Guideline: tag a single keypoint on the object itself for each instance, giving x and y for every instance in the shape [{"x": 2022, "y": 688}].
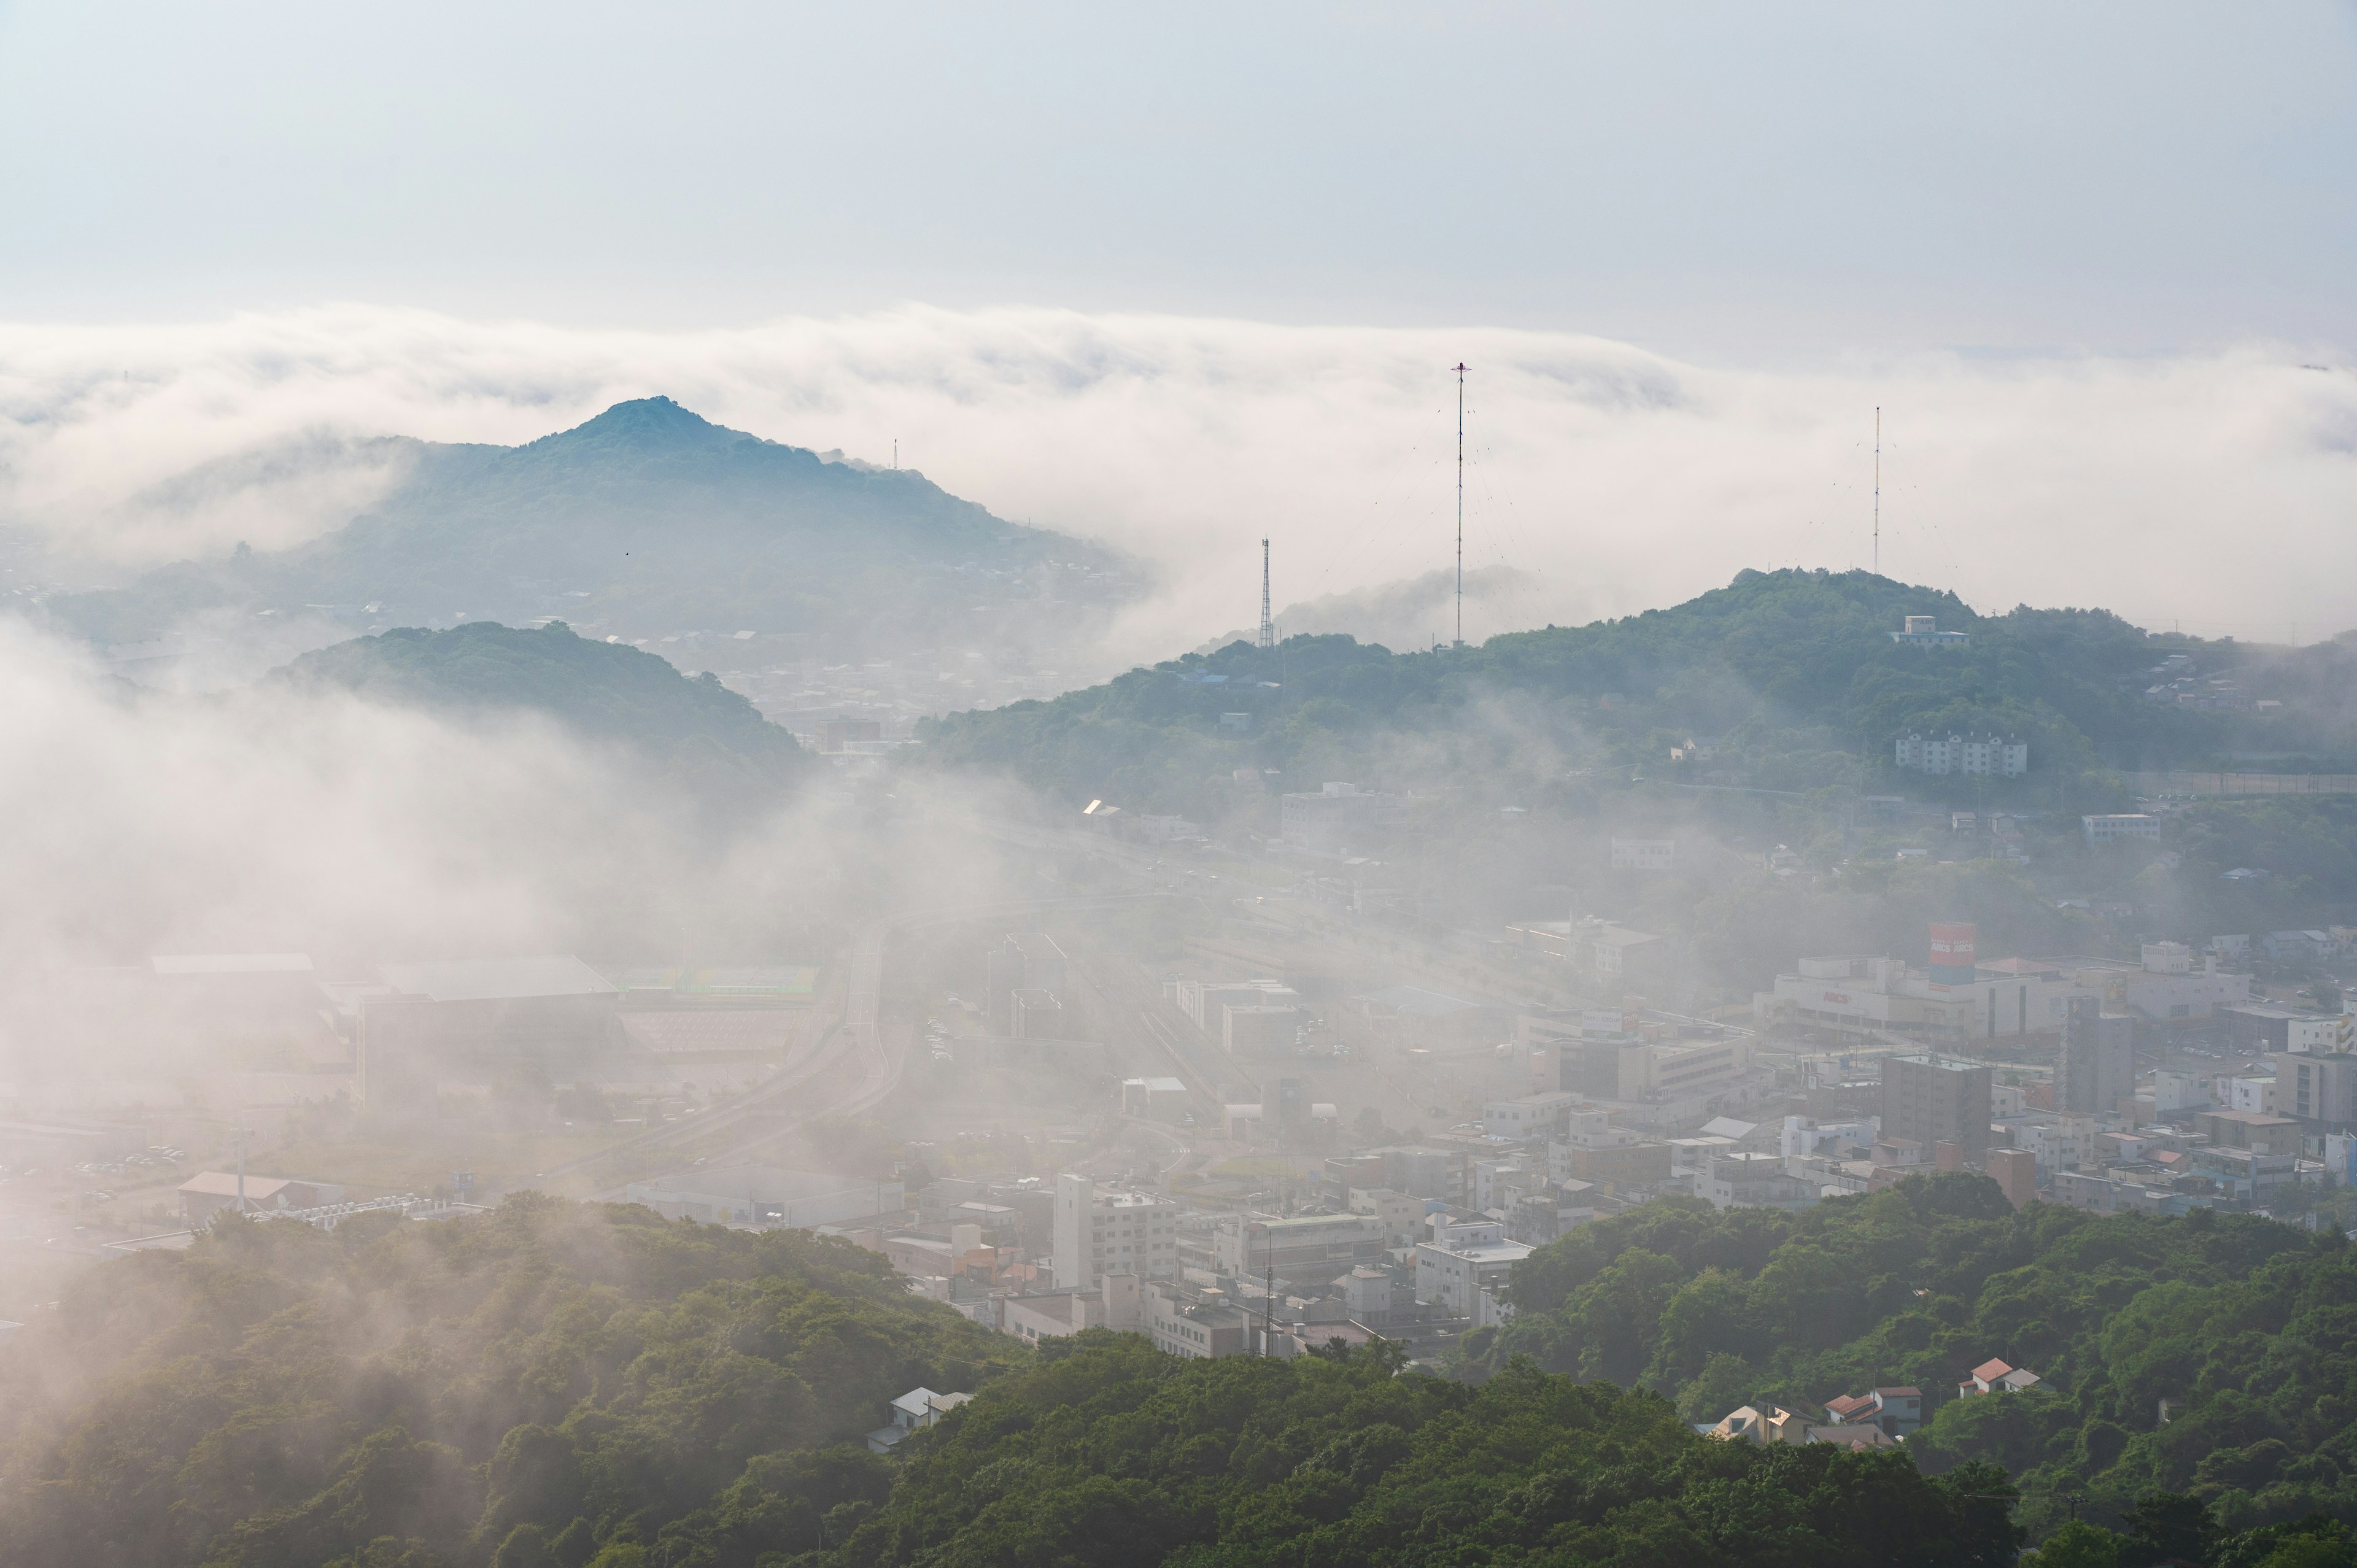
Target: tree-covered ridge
[
  {"x": 2248, "y": 1326},
  {"x": 1114, "y": 1453},
  {"x": 693, "y": 728},
  {"x": 1795, "y": 670},
  {"x": 550, "y": 1373}
]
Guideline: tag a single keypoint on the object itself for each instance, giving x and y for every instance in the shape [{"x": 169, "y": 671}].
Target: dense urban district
[{"x": 1812, "y": 1075}]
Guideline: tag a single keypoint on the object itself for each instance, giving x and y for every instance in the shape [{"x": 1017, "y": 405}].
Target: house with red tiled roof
[{"x": 1994, "y": 1376}]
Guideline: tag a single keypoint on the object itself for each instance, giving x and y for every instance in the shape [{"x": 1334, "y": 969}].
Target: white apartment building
[
  {"x": 2110, "y": 827},
  {"x": 1100, "y": 1232},
  {"x": 1988, "y": 756},
  {"x": 1529, "y": 1115},
  {"x": 1454, "y": 1276}
]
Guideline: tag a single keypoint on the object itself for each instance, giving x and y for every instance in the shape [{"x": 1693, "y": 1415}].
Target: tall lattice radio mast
[
  {"x": 1267, "y": 627},
  {"x": 1458, "y": 640}
]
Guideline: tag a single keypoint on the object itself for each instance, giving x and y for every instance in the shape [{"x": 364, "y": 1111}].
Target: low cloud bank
[{"x": 2211, "y": 491}]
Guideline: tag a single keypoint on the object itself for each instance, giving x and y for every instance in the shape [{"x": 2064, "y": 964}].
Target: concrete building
[
  {"x": 2249, "y": 1130},
  {"x": 1644, "y": 854},
  {"x": 1933, "y": 1100},
  {"x": 1923, "y": 631},
  {"x": 2015, "y": 1174},
  {"x": 1859, "y": 995},
  {"x": 2117, "y": 827},
  {"x": 1198, "y": 1324},
  {"x": 1401, "y": 1216},
  {"x": 1339, "y": 818},
  {"x": 1154, "y": 1099},
  {"x": 1755, "y": 1181},
  {"x": 2164, "y": 986},
  {"x": 1983, "y": 755},
  {"x": 1529, "y": 1115},
  {"x": 1454, "y": 1276},
  {"x": 1310, "y": 1248},
  {"x": 1629, "y": 1069},
  {"x": 2096, "y": 1069},
  {"x": 1116, "y": 1302},
  {"x": 1252, "y": 1033},
  {"x": 2320, "y": 1088},
  {"x": 1624, "y": 955},
  {"x": 1101, "y": 1232},
  {"x": 2259, "y": 1028}
]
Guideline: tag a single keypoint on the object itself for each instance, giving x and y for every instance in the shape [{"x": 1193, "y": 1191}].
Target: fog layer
[{"x": 1614, "y": 479}]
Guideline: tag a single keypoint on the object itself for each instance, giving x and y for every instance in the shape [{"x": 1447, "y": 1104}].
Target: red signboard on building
[{"x": 1953, "y": 945}]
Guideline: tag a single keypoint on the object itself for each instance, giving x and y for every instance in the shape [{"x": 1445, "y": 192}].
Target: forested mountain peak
[{"x": 646, "y": 422}]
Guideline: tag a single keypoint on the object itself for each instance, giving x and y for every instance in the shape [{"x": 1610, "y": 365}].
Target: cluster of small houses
[{"x": 1880, "y": 1418}]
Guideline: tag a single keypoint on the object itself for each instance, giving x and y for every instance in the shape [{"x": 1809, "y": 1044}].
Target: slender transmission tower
[
  {"x": 1878, "y": 489},
  {"x": 1459, "y": 639},
  {"x": 1267, "y": 627}
]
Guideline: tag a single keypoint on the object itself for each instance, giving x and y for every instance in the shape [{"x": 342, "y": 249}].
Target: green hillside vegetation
[
  {"x": 695, "y": 731},
  {"x": 1793, "y": 671},
  {"x": 647, "y": 516},
  {"x": 535, "y": 1385},
  {"x": 556, "y": 1385},
  {"x": 1112, "y": 1453},
  {"x": 2248, "y": 1327}
]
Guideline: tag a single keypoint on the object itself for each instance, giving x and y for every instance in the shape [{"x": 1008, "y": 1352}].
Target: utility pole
[
  {"x": 896, "y": 454},
  {"x": 1268, "y": 1295},
  {"x": 1878, "y": 489},
  {"x": 1460, "y": 641},
  {"x": 240, "y": 1165}
]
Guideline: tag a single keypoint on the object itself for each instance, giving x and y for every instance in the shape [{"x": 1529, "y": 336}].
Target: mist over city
[{"x": 1553, "y": 786}]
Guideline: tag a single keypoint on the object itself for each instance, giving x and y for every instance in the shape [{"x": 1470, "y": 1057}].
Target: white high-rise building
[{"x": 1101, "y": 1232}]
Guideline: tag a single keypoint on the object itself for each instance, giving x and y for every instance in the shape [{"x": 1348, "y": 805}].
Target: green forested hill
[
  {"x": 2248, "y": 1327},
  {"x": 1115, "y": 1453},
  {"x": 281, "y": 1397},
  {"x": 695, "y": 729},
  {"x": 572, "y": 1386},
  {"x": 1794, "y": 672}
]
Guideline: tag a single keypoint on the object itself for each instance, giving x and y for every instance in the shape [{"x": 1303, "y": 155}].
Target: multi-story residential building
[
  {"x": 1101, "y": 1231},
  {"x": 1985, "y": 755},
  {"x": 1935, "y": 1099}
]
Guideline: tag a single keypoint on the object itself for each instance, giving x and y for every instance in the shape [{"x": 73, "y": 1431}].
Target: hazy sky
[{"x": 1727, "y": 182}]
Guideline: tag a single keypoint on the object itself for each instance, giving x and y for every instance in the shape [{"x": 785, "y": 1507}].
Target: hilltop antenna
[
  {"x": 896, "y": 454},
  {"x": 1267, "y": 627},
  {"x": 1878, "y": 489},
  {"x": 1460, "y": 641}
]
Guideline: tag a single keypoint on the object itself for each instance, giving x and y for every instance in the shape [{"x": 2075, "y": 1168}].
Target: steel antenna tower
[
  {"x": 1267, "y": 627},
  {"x": 1459, "y": 639},
  {"x": 1877, "y": 490}
]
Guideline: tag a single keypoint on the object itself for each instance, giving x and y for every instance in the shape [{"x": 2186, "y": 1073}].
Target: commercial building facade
[{"x": 1101, "y": 1232}]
